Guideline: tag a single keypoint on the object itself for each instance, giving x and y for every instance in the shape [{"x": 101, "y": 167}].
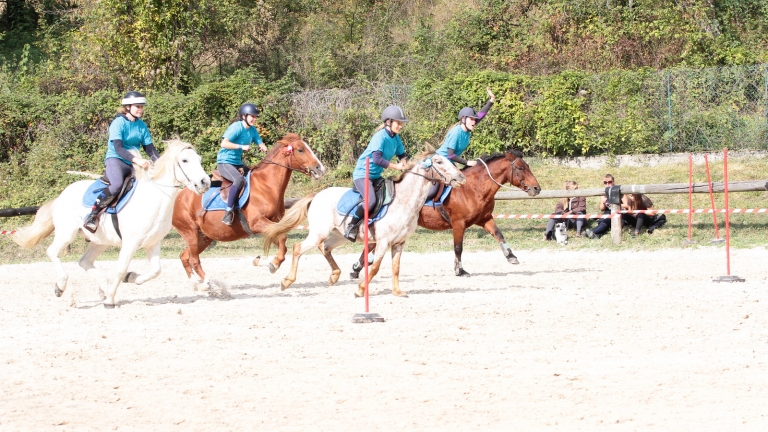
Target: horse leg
[
  {"x": 299, "y": 249},
  {"x": 61, "y": 240},
  {"x": 153, "y": 256},
  {"x": 379, "y": 255},
  {"x": 358, "y": 266},
  {"x": 121, "y": 268},
  {"x": 326, "y": 248},
  {"x": 280, "y": 256},
  {"x": 397, "y": 251},
  {"x": 196, "y": 242},
  {"x": 494, "y": 230},
  {"x": 458, "y": 247},
  {"x": 86, "y": 262}
]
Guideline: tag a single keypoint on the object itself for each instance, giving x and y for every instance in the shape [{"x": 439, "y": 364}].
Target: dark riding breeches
[
  {"x": 231, "y": 173},
  {"x": 117, "y": 172}
]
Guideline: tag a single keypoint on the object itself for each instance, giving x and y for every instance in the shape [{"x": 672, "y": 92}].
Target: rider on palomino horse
[
  {"x": 238, "y": 137},
  {"x": 127, "y": 132},
  {"x": 384, "y": 144},
  {"x": 457, "y": 139}
]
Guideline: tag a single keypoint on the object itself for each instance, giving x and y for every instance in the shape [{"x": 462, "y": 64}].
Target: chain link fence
[{"x": 676, "y": 110}]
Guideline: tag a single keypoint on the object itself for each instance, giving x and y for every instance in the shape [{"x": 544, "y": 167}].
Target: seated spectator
[
  {"x": 642, "y": 202},
  {"x": 604, "y": 224},
  {"x": 568, "y": 206}
]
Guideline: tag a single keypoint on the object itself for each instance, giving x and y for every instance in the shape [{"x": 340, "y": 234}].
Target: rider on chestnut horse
[{"x": 238, "y": 137}]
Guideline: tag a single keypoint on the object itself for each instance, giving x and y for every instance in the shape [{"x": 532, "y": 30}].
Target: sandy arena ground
[{"x": 564, "y": 341}]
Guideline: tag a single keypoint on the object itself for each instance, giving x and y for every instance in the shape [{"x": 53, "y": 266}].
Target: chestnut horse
[
  {"x": 268, "y": 181},
  {"x": 473, "y": 203}
]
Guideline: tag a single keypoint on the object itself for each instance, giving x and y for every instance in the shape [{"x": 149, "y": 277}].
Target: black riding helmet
[
  {"x": 248, "y": 109},
  {"x": 134, "y": 98},
  {"x": 393, "y": 112},
  {"x": 467, "y": 112}
]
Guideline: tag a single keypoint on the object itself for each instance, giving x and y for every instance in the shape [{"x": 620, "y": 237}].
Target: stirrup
[
  {"x": 92, "y": 223},
  {"x": 227, "y": 219},
  {"x": 351, "y": 232}
]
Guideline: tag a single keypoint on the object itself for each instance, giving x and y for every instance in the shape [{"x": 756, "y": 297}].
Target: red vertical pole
[
  {"x": 690, "y": 195},
  {"x": 727, "y": 215},
  {"x": 712, "y": 199},
  {"x": 365, "y": 227}
]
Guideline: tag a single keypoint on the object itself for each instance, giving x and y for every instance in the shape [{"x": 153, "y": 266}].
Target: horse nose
[{"x": 536, "y": 190}]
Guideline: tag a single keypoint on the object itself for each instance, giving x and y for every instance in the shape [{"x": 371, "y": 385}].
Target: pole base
[
  {"x": 718, "y": 241},
  {"x": 727, "y": 279},
  {"x": 367, "y": 318}
]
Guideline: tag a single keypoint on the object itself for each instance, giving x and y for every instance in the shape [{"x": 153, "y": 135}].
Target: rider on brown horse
[
  {"x": 238, "y": 137},
  {"x": 457, "y": 139}
]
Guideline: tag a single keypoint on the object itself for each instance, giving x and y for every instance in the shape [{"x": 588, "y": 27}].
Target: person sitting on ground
[
  {"x": 568, "y": 206},
  {"x": 642, "y": 202},
  {"x": 604, "y": 224}
]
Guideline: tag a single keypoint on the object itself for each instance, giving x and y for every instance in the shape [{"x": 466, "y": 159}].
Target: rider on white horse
[
  {"x": 383, "y": 145},
  {"x": 127, "y": 132},
  {"x": 239, "y": 136}
]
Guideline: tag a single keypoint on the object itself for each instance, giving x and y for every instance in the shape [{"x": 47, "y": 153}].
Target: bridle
[
  {"x": 515, "y": 170},
  {"x": 181, "y": 185},
  {"x": 304, "y": 171}
]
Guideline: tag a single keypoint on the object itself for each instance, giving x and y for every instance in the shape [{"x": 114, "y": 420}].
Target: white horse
[
  {"x": 143, "y": 222},
  {"x": 326, "y": 225}
]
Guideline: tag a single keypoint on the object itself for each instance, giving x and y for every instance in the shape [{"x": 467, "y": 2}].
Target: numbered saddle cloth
[
  {"x": 90, "y": 195},
  {"x": 212, "y": 198}
]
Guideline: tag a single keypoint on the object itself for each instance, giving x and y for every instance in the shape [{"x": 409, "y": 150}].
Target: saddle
[
  {"x": 128, "y": 183},
  {"x": 383, "y": 193},
  {"x": 217, "y": 180}
]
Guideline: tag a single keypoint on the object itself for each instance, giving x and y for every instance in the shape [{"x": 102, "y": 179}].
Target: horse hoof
[
  {"x": 284, "y": 285},
  {"x": 401, "y": 294},
  {"x": 256, "y": 261},
  {"x": 462, "y": 273},
  {"x": 353, "y": 275},
  {"x": 272, "y": 268},
  {"x": 127, "y": 277},
  {"x": 58, "y": 292},
  {"x": 108, "y": 306},
  {"x": 513, "y": 260}
]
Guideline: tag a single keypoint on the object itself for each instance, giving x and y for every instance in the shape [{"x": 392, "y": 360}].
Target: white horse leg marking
[{"x": 313, "y": 240}]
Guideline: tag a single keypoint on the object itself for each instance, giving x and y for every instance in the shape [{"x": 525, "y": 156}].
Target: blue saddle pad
[
  {"x": 212, "y": 198},
  {"x": 89, "y": 197},
  {"x": 349, "y": 201},
  {"x": 443, "y": 197}
]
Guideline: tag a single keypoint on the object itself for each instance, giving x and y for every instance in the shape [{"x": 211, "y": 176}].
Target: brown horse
[
  {"x": 269, "y": 179},
  {"x": 472, "y": 204}
]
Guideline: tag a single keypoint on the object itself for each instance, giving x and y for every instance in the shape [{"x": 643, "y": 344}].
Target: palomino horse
[
  {"x": 269, "y": 179},
  {"x": 143, "y": 222},
  {"x": 326, "y": 225},
  {"x": 473, "y": 203}
]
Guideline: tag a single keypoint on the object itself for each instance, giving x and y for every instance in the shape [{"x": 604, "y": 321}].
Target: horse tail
[
  {"x": 29, "y": 236},
  {"x": 296, "y": 214}
]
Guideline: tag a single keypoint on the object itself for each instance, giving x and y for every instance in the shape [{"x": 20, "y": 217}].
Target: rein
[
  {"x": 175, "y": 186},
  {"x": 515, "y": 170},
  {"x": 304, "y": 171}
]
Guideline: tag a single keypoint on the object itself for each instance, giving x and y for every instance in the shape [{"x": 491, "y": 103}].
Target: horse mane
[
  {"x": 282, "y": 142},
  {"x": 429, "y": 151},
  {"x": 173, "y": 147},
  {"x": 492, "y": 157}
]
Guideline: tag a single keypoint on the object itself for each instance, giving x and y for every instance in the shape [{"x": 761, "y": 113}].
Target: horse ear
[{"x": 428, "y": 148}]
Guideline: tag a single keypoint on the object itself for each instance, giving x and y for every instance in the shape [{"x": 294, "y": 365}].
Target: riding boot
[
  {"x": 228, "y": 216},
  {"x": 102, "y": 201},
  {"x": 354, "y": 224}
]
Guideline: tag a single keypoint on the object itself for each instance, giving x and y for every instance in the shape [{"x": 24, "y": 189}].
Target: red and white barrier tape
[
  {"x": 591, "y": 216},
  {"x": 602, "y": 216}
]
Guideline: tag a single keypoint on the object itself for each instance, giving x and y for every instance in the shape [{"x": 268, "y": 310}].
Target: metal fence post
[{"x": 669, "y": 109}]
